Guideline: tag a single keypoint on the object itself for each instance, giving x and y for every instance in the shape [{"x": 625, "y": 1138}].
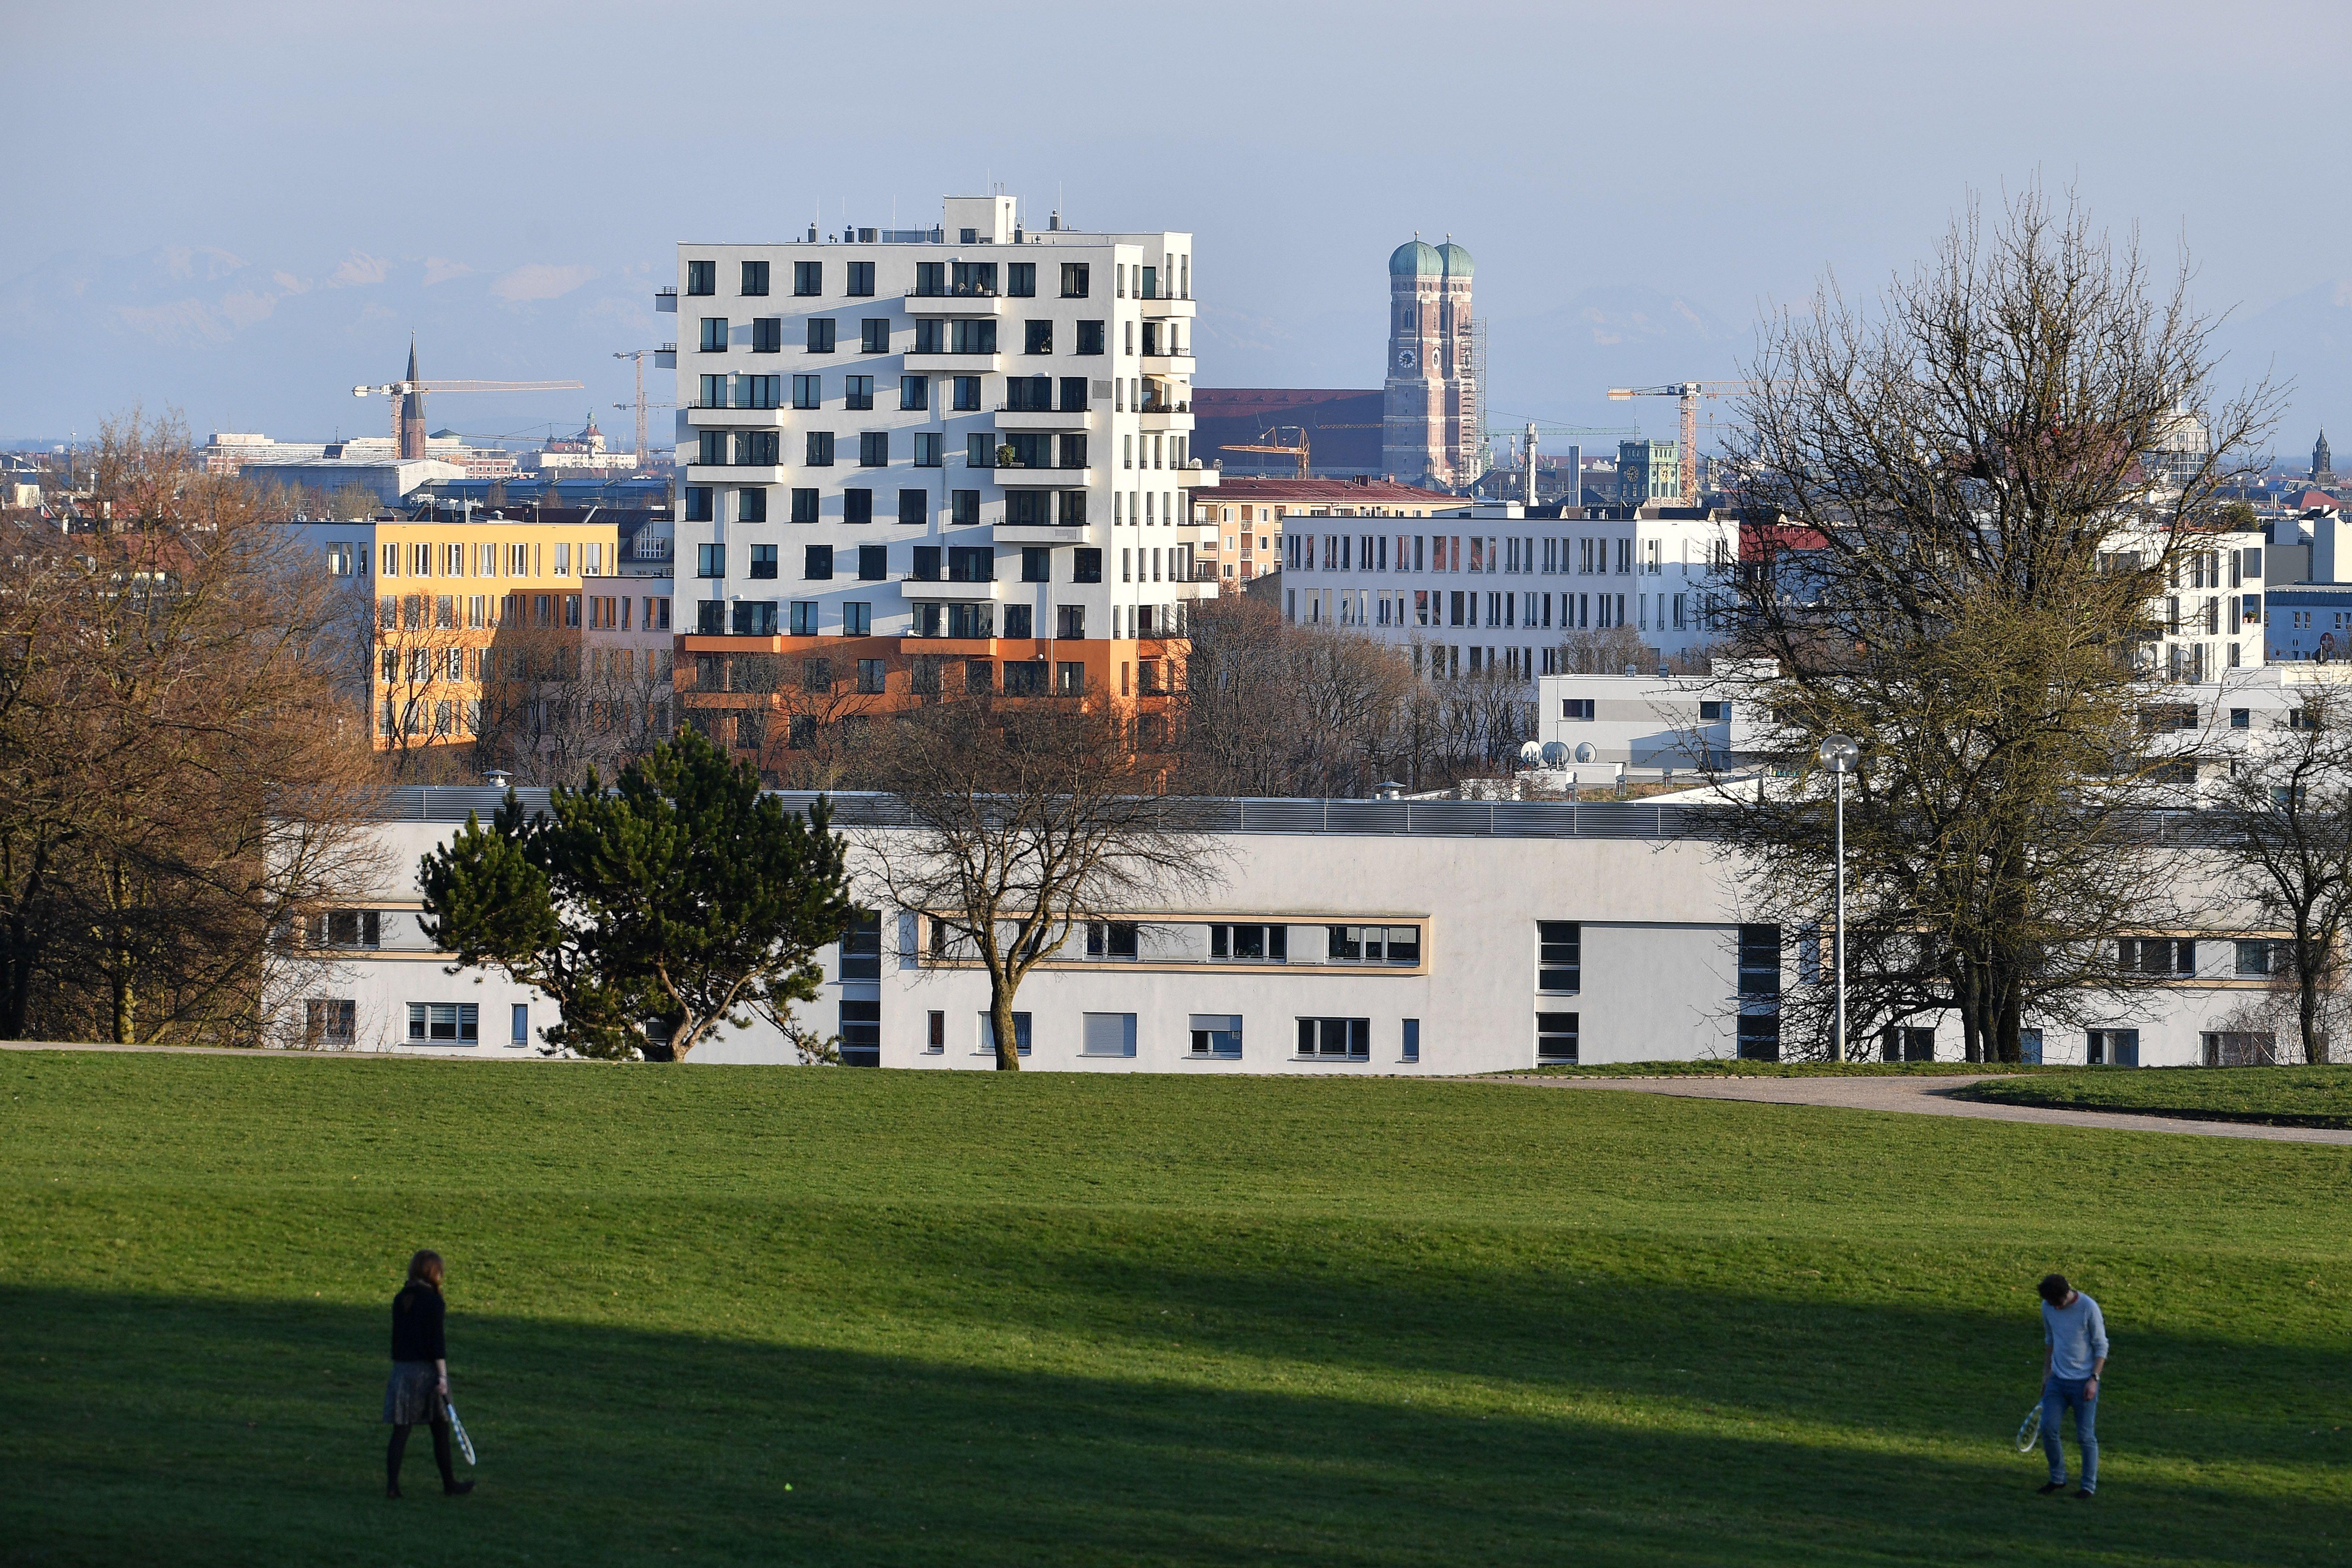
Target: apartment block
[
  {"x": 954, "y": 458},
  {"x": 1242, "y": 520}
]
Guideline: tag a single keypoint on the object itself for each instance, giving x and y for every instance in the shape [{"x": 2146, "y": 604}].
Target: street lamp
[{"x": 1839, "y": 754}]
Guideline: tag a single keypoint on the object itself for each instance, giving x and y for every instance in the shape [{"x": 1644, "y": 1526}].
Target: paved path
[{"x": 1928, "y": 1097}]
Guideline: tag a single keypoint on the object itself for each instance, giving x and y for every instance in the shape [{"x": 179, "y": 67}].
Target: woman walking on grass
[{"x": 419, "y": 1389}]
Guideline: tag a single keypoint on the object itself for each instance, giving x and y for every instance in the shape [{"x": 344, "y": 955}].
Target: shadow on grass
[{"x": 201, "y": 1431}]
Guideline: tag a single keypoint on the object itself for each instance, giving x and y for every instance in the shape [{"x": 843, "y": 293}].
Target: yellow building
[{"x": 1248, "y": 514}]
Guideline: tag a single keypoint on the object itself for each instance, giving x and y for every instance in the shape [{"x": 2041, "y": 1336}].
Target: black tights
[{"x": 399, "y": 1446}]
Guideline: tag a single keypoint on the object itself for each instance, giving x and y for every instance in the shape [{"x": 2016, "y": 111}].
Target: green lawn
[
  {"x": 2284, "y": 1096},
  {"x": 1721, "y": 1067},
  {"x": 972, "y": 1319}
]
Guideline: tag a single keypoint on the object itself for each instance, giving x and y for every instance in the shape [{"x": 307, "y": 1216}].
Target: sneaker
[
  {"x": 2086, "y": 1491},
  {"x": 2048, "y": 1487}
]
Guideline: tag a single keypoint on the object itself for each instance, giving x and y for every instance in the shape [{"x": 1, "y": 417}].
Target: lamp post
[{"x": 1839, "y": 754}]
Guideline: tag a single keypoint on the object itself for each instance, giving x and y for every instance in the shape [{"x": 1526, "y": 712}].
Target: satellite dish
[
  {"x": 1531, "y": 754},
  {"x": 1555, "y": 753},
  {"x": 1585, "y": 754}
]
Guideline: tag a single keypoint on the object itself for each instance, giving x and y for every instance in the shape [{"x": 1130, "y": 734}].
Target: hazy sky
[{"x": 241, "y": 209}]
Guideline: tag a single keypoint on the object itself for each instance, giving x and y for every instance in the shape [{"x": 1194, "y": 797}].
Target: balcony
[
  {"x": 1168, "y": 416},
  {"x": 1043, "y": 533},
  {"x": 954, "y": 364},
  {"x": 943, "y": 592},
  {"x": 1164, "y": 309},
  {"x": 1167, "y": 364},
  {"x": 665, "y": 302},
  {"x": 666, "y": 357},
  {"x": 728, "y": 474},
  {"x": 954, "y": 304},
  {"x": 1042, "y": 419},
  {"x": 1041, "y": 477},
  {"x": 719, "y": 416},
  {"x": 1193, "y": 475}
]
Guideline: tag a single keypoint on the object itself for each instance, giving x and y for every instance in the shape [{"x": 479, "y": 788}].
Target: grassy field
[
  {"x": 1717, "y": 1066},
  {"x": 741, "y": 1315},
  {"x": 2282, "y": 1096}
]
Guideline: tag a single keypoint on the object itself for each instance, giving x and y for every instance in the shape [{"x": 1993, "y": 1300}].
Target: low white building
[{"x": 1409, "y": 937}]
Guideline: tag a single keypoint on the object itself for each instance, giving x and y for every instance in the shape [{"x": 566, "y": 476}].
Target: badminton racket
[
  {"x": 465, "y": 1444},
  {"x": 2028, "y": 1432}
]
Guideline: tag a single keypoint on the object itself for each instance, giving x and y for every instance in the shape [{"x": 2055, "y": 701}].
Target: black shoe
[
  {"x": 2086, "y": 1491},
  {"x": 2048, "y": 1487},
  {"x": 459, "y": 1488},
  {"x": 391, "y": 1492}
]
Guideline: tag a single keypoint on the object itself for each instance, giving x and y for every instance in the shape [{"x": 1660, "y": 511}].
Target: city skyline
[{"x": 513, "y": 202}]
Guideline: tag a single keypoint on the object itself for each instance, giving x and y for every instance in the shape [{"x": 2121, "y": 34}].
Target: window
[
  {"x": 857, "y": 506},
  {"x": 857, "y": 617},
  {"x": 2254, "y": 957},
  {"x": 820, "y": 449},
  {"x": 767, "y": 338},
  {"x": 820, "y": 334},
  {"x": 861, "y": 1032},
  {"x": 915, "y": 506},
  {"x": 1090, "y": 339},
  {"x": 816, "y": 675},
  {"x": 710, "y": 561},
  {"x": 1036, "y": 564},
  {"x": 1216, "y": 1035},
  {"x": 1714, "y": 713},
  {"x": 979, "y": 450},
  {"x": 1412, "y": 1051},
  {"x": 1336, "y": 1040},
  {"x": 330, "y": 1022},
  {"x": 710, "y": 618},
  {"x": 2157, "y": 955},
  {"x": 2241, "y": 719},
  {"x": 857, "y": 392},
  {"x": 1022, "y": 679},
  {"x": 757, "y": 391},
  {"x": 915, "y": 392},
  {"x": 874, "y": 336},
  {"x": 1758, "y": 1037},
  {"x": 763, "y": 560},
  {"x": 1018, "y": 622},
  {"x": 1907, "y": 1043},
  {"x": 926, "y": 566},
  {"x": 751, "y": 506},
  {"x": 2227, "y": 1050},
  {"x": 808, "y": 277},
  {"x": 873, "y": 446},
  {"x": 1028, "y": 509},
  {"x": 928, "y": 455},
  {"x": 758, "y": 448},
  {"x": 1074, "y": 395},
  {"x": 431, "y": 1023},
  {"x": 803, "y": 505},
  {"x": 859, "y": 283},
  {"x": 698, "y": 503},
  {"x": 935, "y": 1036},
  {"x": 1559, "y": 955},
  {"x": 967, "y": 393},
  {"x": 1021, "y": 280},
  {"x": 1576, "y": 708},
  {"x": 971, "y": 564},
  {"x": 702, "y": 278},
  {"x": 1110, "y": 939},
  {"x": 1106, "y": 1034},
  {"x": 1374, "y": 945},
  {"x": 972, "y": 337},
  {"x": 753, "y": 617},
  {"x": 346, "y": 928},
  {"x": 1759, "y": 961},
  {"x": 818, "y": 563},
  {"x": 714, "y": 334},
  {"x": 1249, "y": 944},
  {"x": 808, "y": 392},
  {"x": 1037, "y": 337},
  {"x": 1556, "y": 1036},
  {"x": 931, "y": 337},
  {"x": 1020, "y": 1034},
  {"x": 755, "y": 277},
  {"x": 1086, "y": 566},
  {"x": 804, "y": 618},
  {"x": 1070, "y": 676},
  {"x": 2112, "y": 1047},
  {"x": 1075, "y": 279}
]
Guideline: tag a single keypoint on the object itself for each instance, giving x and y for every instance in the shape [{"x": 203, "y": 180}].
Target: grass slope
[
  {"x": 1740, "y": 1067},
  {"x": 2280, "y": 1097},
  {"x": 1126, "y": 1319}
]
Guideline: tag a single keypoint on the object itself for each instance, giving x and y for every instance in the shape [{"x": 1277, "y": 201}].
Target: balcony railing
[
  {"x": 1024, "y": 408},
  {"x": 1179, "y": 406},
  {"x": 1204, "y": 572}
]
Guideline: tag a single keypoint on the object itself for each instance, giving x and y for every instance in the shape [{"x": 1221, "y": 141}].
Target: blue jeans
[{"x": 2060, "y": 1394}]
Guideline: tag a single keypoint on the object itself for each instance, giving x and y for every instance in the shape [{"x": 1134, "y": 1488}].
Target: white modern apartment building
[
  {"x": 969, "y": 442},
  {"x": 1500, "y": 586},
  {"x": 1640, "y": 722},
  {"x": 1411, "y": 937}
]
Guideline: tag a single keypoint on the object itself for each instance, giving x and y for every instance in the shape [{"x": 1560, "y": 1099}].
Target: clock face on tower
[{"x": 1404, "y": 359}]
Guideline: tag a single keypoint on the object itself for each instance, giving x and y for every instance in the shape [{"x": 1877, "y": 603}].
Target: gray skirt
[{"x": 412, "y": 1396}]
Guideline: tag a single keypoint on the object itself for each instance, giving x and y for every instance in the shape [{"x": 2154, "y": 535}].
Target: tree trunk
[
  {"x": 1000, "y": 1018},
  {"x": 2306, "y": 998}
]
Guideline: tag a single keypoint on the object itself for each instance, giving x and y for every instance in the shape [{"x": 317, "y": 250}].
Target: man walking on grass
[{"x": 2076, "y": 1336}]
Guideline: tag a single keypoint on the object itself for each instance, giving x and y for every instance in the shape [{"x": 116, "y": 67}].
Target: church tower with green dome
[{"x": 1429, "y": 432}]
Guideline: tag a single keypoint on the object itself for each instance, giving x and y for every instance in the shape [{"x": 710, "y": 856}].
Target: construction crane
[
  {"x": 1271, "y": 441},
  {"x": 638, "y": 357},
  {"x": 1687, "y": 393},
  {"x": 408, "y": 400}
]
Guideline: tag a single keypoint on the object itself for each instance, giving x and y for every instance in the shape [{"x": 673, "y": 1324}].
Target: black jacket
[{"x": 416, "y": 1323}]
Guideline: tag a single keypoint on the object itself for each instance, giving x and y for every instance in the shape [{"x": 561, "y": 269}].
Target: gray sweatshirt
[{"x": 2076, "y": 1335}]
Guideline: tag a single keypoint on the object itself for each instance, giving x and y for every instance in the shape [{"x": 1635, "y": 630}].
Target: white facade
[
  {"x": 1639, "y": 720},
  {"x": 858, "y": 397},
  {"x": 1509, "y": 933},
  {"x": 1489, "y": 587}
]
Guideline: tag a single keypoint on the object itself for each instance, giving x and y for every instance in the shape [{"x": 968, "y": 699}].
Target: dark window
[
  {"x": 969, "y": 563},
  {"x": 767, "y": 334},
  {"x": 758, "y": 448},
  {"x": 751, "y": 506},
  {"x": 1028, "y": 393},
  {"x": 1758, "y": 1039},
  {"x": 967, "y": 393},
  {"x": 820, "y": 449},
  {"x": 459, "y": 1022},
  {"x": 1714, "y": 713},
  {"x": 915, "y": 392},
  {"x": 973, "y": 280},
  {"x": 979, "y": 677},
  {"x": 2158, "y": 955},
  {"x": 873, "y": 563},
  {"x": 972, "y": 337},
  {"x": 1074, "y": 279},
  {"x": 1556, "y": 1036},
  {"x": 1023, "y": 678},
  {"x": 820, "y": 334},
  {"x": 2241, "y": 719},
  {"x": 871, "y": 674},
  {"x": 1074, "y": 395},
  {"x": 702, "y": 278},
  {"x": 1090, "y": 338},
  {"x": 1028, "y": 509},
  {"x": 1578, "y": 708},
  {"x": 1344, "y": 1039},
  {"x": 1559, "y": 955},
  {"x": 818, "y": 565},
  {"x": 1021, "y": 280},
  {"x": 1074, "y": 452},
  {"x": 1110, "y": 939},
  {"x": 1759, "y": 961},
  {"x": 698, "y": 503},
  {"x": 1037, "y": 337},
  {"x": 710, "y": 561},
  {"x": 816, "y": 675},
  {"x": 930, "y": 279},
  {"x": 754, "y": 618},
  {"x": 2114, "y": 1048},
  {"x": 861, "y": 1022},
  {"x": 926, "y": 566},
  {"x": 2254, "y": 957},
  {"x": 963, "y": 508},
  {"x": 1018, "y": 622},
  {"x": 931, "y": 336},
  {"x": 857, "y": 506},
  {"x": 979, "y": 450},
  {"x": 808, "y": 392},
  {"x": 804, "y": 506},
  {"x": 755, "y": 277},
  {"x": 1906, "y": 1044},
  {"x": 1030, "y": 449},
  {"x": 861, "y": 946},
  {"x": 808, "y": 277},
  {"x": 710, "y": 618},
  {"x": 859, "y": 284},
  {"x": 714, "y": 334},
  {"x": 1074, "y": 508},
  {"x": 764, "y": 560},
  {"x": 873, "y": 449},
  {"x": 914, "y": 508},
  {"x": 1086, "y": 566},
  {"x": 974, "y": 621},
  {"x": 805, "y": 617},
  {"x": 857, "y": 392},
  {"x": 1070, "y": 625},
  {"x": 874, "y": 337}
]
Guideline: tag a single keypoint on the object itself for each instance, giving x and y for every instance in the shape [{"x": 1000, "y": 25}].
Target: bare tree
[
  {"x": 1612, "y": 651},
  {"x": 1029, "y": 818},
  {"x": 1968, "y": 540},
  {"x": 2288, "y": 806}
]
